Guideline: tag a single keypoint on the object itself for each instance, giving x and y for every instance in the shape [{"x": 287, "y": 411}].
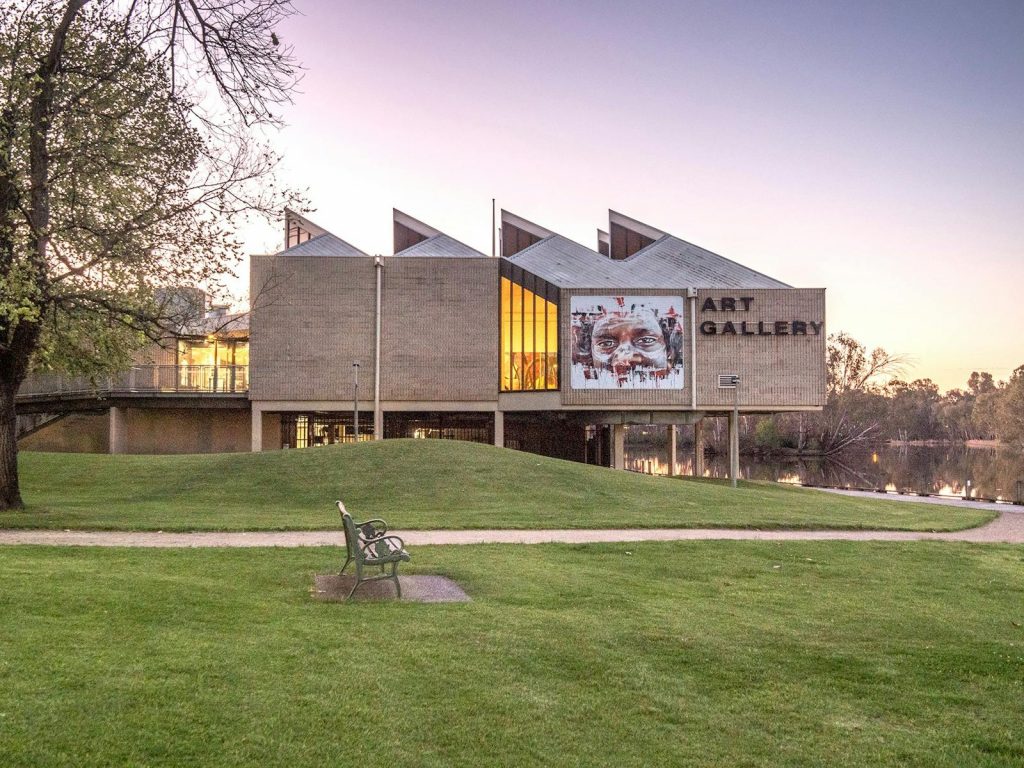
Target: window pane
[
  {"x": 517, "y": 336},
  {"x": 552, "y": 350},
  {"x": 506, "y": 334},
  {"x": 539, "y": 346},
  {"x": 528, "y": 358}
]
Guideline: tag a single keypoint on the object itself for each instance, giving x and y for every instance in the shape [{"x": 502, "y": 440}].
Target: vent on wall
[{"x": 728, "y": 381}]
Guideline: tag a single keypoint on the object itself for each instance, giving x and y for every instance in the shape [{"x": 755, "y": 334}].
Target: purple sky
[{"x": 874, "y": 149}]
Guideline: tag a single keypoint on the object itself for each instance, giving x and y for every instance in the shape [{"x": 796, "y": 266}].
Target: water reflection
[{"x": 987, "y": 473}]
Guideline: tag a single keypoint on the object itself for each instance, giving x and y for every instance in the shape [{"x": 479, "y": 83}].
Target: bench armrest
[
  {"x": 372, "y": 529},
  {"x": 393, "y": 543}
]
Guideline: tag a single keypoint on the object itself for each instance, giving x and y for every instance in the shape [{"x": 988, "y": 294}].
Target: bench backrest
[{"x": 351, "y": 534}]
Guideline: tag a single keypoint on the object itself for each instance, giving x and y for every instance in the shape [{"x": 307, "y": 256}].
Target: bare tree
[{"x": 851, "y": 368}]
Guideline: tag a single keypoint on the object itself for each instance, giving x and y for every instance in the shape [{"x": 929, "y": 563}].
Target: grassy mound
[{"x": 420, "y": 484}]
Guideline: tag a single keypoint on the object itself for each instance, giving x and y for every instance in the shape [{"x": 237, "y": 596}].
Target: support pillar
[
  {"x": 116, "y": 430},
  {"x": 257, "y": 429},
  {"x": 698, "y": 449},
  {"x": 618, "y": 446},
  {"x": 734, "y": 447},
  {"x": 499, "y": 429},
  {"x": 672, "y": 449}
]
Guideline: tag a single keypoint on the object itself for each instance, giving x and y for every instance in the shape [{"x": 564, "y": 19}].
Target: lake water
[{"x": 993, "y": 473}]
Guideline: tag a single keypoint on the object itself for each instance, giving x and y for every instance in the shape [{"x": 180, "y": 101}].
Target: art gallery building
[
  {"x": 452, "y": 342},
  {"x": 546, "y": 346}
]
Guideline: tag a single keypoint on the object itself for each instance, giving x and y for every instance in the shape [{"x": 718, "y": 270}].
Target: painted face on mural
[{"x": 621, "y": 343}]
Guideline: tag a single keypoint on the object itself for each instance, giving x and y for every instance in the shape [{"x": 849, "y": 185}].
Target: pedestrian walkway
[
  {"x": 948, "y": 501},
  {"x": 1007, "y": 528}
]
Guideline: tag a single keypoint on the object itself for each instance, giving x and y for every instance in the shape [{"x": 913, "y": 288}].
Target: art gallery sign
[{"x": 752, "y": 327}]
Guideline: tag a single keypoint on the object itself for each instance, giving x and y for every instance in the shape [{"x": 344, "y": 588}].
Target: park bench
[{"x": 369, "y": 545}]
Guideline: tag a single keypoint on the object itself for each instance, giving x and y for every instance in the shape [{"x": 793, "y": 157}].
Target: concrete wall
[
  {"x": 75, "y": 433},
  {"x": 314, "y": 316},
  {"x": 180, "y": 430},
  {"x": 271, "y": 431},
  {"x": 151, "y": 430}
]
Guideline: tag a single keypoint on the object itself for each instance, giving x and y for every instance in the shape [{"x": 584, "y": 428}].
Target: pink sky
[{"x": 870, "y": 149}]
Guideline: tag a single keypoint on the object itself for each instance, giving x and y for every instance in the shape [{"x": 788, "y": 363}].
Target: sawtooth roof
[
  {"x": 443, "y": 246},
  {"x": 667, "y": 261},
  {"x": 324, "y": 245}
]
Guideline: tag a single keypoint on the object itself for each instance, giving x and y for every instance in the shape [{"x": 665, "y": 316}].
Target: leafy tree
[
  {"x": 127, "y": 162},
  {"x": 1001, "y": 411},
  {"x": 981, "y": 383},
  {"x": 767, "y": 435},
  {"x": 954, "y": 414},
  {"x": 913, "y": 409}
]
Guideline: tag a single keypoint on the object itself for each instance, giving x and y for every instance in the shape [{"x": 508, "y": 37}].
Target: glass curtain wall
[
  {"x": 529, "y": 339},
  {"x": 213, "y": 365}
]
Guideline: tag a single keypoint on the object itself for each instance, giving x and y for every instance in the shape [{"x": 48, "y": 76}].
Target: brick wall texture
[
  {"x": 313, "y": 316},
  {"x": 774, "y": 371},
  {"x": 440, "y": 329}
]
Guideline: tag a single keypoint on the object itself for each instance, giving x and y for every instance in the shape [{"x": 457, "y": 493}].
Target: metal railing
[{"x": 143, "y": 379}]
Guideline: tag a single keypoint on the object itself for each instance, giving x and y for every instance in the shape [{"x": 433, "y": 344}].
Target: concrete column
[
  {"x": 499, "y": 429},
  {"x": 698, "y": 449},
  {"x": 734, "y": 447},
  {"x": 257, "y": 429},
  {"x": 672, "y": 449},
  {"x": 378, "y": 424},
  {"x": 618, "y": 446},
  {"x": 116, "y": 430}
]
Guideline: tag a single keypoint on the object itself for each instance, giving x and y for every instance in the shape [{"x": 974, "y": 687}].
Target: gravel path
[{"x": 1007, "y": 528}]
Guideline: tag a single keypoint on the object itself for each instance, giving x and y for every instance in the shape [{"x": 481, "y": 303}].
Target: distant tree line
[{"x": 868, "y": 402}]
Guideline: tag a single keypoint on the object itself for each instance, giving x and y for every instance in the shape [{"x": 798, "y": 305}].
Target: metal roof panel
[
  {"x": 442, "y": 246},
  {"x": 323, "y": 245},
  {"x": 668, "y": 261}
]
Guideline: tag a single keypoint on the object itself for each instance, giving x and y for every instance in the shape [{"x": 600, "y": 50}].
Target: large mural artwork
[{"x": 627, "y": 342}]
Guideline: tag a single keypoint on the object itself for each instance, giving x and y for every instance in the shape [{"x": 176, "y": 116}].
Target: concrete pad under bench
[{"x": 331, "y": 588}]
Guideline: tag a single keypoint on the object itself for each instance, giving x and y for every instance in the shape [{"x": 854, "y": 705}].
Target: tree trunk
[{"x": 10, "y": 492}]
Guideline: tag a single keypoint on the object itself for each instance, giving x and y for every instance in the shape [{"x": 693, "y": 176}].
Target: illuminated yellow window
[
  {"x": 529, "y": 339},
  {"x": 552, "y": 347},
  {"x": 506, "y": 334}
]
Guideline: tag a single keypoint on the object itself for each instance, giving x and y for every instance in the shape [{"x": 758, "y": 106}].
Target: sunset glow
[{"x": 872, "y": 149}]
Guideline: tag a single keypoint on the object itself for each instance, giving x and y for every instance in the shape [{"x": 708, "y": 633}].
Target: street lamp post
[
  {"x": 734, "y": 433},
  {"x": 355, "y": 404}
]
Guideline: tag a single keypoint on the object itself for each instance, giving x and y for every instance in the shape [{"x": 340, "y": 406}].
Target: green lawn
[
  {"x": 653, "y": 654},
  {"x": 421, "y": 484}
]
